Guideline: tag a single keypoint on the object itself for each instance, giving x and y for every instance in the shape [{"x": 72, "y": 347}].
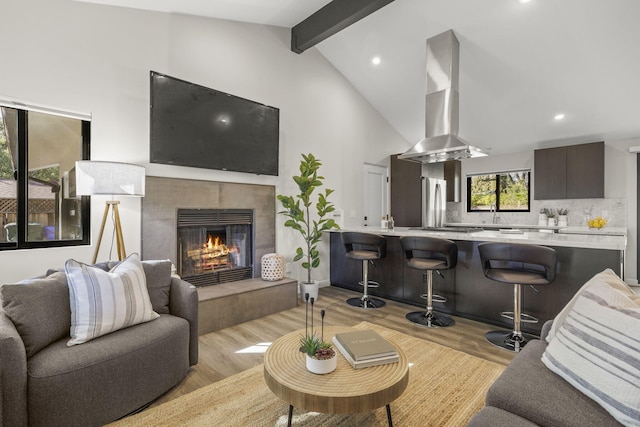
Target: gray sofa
[
  {"x": 45, "y": 382},
  {"x": 529, "y": 394}
]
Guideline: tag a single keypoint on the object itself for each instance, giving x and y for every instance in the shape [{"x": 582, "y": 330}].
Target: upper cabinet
[{"x": 571, "y": 172}]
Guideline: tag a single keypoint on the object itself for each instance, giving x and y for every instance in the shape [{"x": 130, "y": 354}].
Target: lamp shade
[{"x": 109, "y": 178}]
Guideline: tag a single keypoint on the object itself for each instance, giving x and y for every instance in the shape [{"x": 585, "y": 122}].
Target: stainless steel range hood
[{"x": 442, "y": 142}]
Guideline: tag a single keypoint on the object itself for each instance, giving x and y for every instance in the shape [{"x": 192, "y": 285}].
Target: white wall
[{"x": 96, "y": 59}]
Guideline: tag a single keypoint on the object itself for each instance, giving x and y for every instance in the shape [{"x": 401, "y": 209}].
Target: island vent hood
[{"x": 442, "y": 142}]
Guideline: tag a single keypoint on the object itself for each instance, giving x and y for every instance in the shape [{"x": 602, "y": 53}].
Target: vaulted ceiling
[{"x": 521, "y": 63}]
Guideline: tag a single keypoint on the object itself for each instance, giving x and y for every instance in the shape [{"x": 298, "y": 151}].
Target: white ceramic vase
[
  {"x": 563, "y": 221},
  {"x": 320, "y": 367},
  {"x": 311, "y": 289},
  {"x": 542, "y": 219}
]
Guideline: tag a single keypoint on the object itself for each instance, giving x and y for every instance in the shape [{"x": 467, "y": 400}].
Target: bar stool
[
  {"x": 365, "y": 247},
  {"x": 516, "y": 264},
  {"x": 430, "y": 254}
]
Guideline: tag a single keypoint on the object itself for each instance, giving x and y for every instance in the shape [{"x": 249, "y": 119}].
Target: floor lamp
[{"x": 113, "y": 179}]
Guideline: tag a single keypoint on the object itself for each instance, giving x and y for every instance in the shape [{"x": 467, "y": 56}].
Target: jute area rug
[{"x": 446, "y": 387}]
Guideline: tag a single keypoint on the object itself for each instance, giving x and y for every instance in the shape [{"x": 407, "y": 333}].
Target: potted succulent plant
[
  {"x": 553, "y": 221},
  {"x": 563, "y": 221},
  {"x": 308, "y": 218},
  {"x": 543, "y": 218},
  {"x": 320, "y": 356}
]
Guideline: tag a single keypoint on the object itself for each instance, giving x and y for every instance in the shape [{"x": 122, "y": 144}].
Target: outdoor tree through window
[
  {"x": 504, "y": 192},
  {"x": 38, "y": 151}
]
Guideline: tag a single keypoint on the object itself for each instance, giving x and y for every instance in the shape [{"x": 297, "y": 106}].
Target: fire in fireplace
[
  {"x": 214, "y": 255},
  {"x": 215, "y": 246}
]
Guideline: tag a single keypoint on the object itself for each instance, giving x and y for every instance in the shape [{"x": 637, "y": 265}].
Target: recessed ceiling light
[
  {"x": 523, "y": 1},
  {"x": 559, "y": 117},
  {"x": 376, "y": 60}
]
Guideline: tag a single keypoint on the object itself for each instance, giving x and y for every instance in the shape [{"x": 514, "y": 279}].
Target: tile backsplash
[{"x": 579, "y": 209}]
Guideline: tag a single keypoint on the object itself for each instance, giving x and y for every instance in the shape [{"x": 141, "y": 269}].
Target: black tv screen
[{"x": 192, "y": 125}]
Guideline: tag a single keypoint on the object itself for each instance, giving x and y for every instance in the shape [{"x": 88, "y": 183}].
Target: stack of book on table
[{"x": 365, "y": 348}]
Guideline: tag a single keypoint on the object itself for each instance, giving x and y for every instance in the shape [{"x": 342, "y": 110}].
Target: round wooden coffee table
[{"x": 344, "y": 391}]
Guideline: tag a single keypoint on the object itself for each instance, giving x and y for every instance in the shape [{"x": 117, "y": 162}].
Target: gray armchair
[{"x": 45, "y": 382}]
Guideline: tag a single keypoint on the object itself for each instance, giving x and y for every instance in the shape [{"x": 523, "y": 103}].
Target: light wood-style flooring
[{"x": 229, "y": 351}]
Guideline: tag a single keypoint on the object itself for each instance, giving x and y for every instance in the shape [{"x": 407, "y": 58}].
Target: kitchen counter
[
  {"x": 596, "y": 239},
  {"x": 469, "y": 293},
  {"x": 606, "y": 231},
  {"x": 492, "y": 226}
]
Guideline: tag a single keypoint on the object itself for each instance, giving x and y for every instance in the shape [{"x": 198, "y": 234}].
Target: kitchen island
[{"x": 469, "y": 294}]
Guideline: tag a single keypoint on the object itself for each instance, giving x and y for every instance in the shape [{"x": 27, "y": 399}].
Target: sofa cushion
[
  {"x": 108, "y": 377},
  {"x": 597, "y": 348},
  {"x": 530, "y": 390},
  {"x": 103, "y": 302},
  {"x": 39, "y": 309},
  {"x": 104, "y": 265},
  {"x": 158, "y": 274},
  {"x": 490, "y": 416}
]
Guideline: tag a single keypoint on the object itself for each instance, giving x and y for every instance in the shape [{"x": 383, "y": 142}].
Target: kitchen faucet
[{"x": 496, "y": 218}]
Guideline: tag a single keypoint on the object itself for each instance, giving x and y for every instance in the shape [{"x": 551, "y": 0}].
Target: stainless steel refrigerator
[{"x": 434, "y": 202}]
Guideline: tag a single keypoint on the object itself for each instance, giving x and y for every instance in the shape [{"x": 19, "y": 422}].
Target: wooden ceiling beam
[{"x": 330, "y": 19}]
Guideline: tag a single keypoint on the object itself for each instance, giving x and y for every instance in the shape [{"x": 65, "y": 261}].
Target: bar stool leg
[
  {"x": 365, "y": 280},
  {"x": 515, "y": 339},
  {"x": 517, "y": 314},
  {"x": 429, "y": 318},
  {"x": 366, "y": 301}
]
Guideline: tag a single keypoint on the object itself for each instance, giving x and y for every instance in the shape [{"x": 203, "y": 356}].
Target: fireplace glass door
[{"x": 214, "y": 251}]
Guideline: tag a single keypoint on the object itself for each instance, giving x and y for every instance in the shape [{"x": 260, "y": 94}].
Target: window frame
[
  {"x": 497, "y": 191},
  {"x": 22, "y": 175}
]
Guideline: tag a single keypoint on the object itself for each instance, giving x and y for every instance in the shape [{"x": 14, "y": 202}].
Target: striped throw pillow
[
  {"x": 607, "y": 276},
  {"x": 597, "y": 349},
  {"x": 105, "y": 301}
]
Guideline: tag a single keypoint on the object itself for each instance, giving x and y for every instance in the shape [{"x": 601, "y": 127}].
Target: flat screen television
[{"x": 192, "y": 125}]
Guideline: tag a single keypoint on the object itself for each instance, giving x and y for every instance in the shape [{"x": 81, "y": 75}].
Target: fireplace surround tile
[{"x": 164, "y": 196}]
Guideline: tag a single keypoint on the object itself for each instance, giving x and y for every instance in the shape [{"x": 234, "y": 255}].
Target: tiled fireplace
[{"x": 213, "y": 232}]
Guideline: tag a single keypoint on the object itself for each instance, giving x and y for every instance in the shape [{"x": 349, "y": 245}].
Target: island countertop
[{"x": 597, "y": 241}]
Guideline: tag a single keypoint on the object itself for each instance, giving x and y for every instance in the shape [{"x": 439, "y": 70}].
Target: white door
[{"x": 375, "y": 194}]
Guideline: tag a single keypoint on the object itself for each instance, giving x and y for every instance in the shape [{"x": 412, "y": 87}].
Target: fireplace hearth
[{"x": 214, "y": 245}]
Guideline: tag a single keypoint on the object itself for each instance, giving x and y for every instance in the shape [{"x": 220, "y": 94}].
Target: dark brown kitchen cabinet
[
  {"x": 406, "y": 189},
  {"x": 570, "y": 172}
]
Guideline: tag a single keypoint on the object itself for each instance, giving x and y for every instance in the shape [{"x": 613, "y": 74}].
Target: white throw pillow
[
  {"x": 606, "y": 276},
  {"x": 103, "y": 302},
  {"x": 597, "y": 349}
]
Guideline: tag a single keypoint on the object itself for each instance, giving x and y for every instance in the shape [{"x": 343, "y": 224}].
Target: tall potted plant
[{"x": 309, "y": 219}]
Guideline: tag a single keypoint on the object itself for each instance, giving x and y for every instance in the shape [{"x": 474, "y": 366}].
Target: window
[
  {"x": 38, "y": 151},
  {"x": 504, "y": 191}
]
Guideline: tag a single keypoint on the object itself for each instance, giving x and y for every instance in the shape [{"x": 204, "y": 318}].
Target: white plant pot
[
  {"x": 553, "y": 222},
  {"x": 563, "y": 221},
  {"x": 320, "y": 367},
  {"x": 542, "y": 219},
  {"x": 311, "y": 289}
]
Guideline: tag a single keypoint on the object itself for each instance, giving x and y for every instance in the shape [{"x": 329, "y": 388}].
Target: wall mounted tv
[{"x": 192, "y": 125}]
